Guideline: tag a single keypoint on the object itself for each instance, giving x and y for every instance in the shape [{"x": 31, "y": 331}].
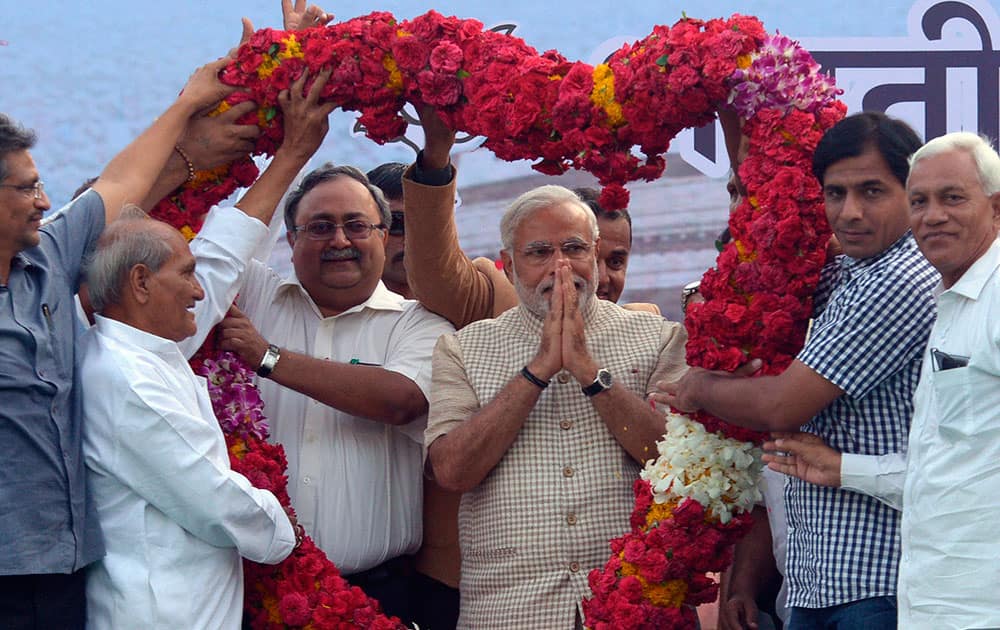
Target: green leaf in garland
[
  {"x": 273, "y": 50},
  {"x": 270, "y": 114},
  {"x": 662, "y": 61},
  {"x": 463, "y": 74}
]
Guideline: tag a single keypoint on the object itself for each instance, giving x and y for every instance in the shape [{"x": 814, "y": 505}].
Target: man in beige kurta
[{"x": 539, "y": 417}]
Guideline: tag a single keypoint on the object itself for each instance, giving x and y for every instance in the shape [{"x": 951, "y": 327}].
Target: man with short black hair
[
  {"x": 388, "y": 178},
  {"x": 852, "y": 383}
]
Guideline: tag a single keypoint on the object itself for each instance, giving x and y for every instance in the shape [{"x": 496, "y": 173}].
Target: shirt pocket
[{"x": 953, "y": 403}]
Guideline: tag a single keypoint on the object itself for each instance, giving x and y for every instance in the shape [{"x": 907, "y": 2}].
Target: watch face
[{"x": 604, "y": 378}]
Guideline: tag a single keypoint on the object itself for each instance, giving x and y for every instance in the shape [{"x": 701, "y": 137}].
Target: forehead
[
  {"x": 554, "y": 224},
  {"x": 955, "y": 169},
  {"x": 339, "y": 199},
  {"x": 870, "y": 166},
  {"x": 614, "y": 233}
]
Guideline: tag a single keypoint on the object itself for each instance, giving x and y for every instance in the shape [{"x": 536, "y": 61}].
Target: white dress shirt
[
  {"x": 356, "y": 484},
  {"x": 950, "y": 570},
  {"x": 175, "y": 517}
]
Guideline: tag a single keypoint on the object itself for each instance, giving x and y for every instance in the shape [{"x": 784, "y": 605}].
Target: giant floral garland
[{"x": 691, "y": 502}]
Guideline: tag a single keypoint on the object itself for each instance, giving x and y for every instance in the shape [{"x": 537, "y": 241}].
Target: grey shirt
[{"x": 47, "y": 522}]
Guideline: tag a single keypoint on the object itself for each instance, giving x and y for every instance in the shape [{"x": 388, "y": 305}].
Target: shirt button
[
  {"x": 565, "y": 425},
  {"x": 574, "y": 566},
  {"x": 571, "y": 519},
  {"x": 567, "y": 472},
  {"x": 307, "y": 480},
  {"x": 563, "y": 377}
]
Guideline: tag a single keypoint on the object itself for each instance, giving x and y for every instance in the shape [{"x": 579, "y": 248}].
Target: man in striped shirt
[{"x": 852, "y": 384}]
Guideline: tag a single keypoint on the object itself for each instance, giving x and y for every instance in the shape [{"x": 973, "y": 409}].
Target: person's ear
[
  {"x": 138, "y": 283},
  {"x": 508, "y": 265}
]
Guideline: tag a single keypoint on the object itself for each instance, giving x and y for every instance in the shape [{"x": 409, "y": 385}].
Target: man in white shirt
[
  {"x": 347, "y": 371},
  {"x": 950, "y": 562},
  {"x": 175, "y": 517}
]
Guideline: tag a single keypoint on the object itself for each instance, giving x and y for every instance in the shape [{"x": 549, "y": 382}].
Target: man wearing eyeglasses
[
  {"x": 48, "y": 523},
  {"x": 345, "y": 367},
  {"x": 538, "y": 416}
]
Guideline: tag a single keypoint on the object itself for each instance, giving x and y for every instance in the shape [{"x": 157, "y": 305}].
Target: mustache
[
  {"x": 548, "y": 283},
  {"x": 328, "y": 255}
]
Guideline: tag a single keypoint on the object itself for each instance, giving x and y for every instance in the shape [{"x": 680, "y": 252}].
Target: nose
[
  {"x": 853, "y": 207},
  {"x": 935, "y": 213},
  {"x": 199, "y": 293},
  {"x": 339, "y": 238},
  {"x": 42, "y": 201}
]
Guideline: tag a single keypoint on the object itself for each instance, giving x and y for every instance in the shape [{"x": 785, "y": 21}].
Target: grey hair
[
  {"x": 978, "y": 147},
  {"x": 13, "y": 137},
  {"x": 119, "y": 249},
  {"x": 329, "y": 172},
  {"x": 537, "y": 199}
]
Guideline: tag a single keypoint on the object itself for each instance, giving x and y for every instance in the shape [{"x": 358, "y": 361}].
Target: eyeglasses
[
  {"x": 321, "y": 229},
  {"x": 688, "y": 292},
  {"x": 541, "y": 253},
  {"x": 398, "y": 226},
  {"x": 37, "y": 189}
]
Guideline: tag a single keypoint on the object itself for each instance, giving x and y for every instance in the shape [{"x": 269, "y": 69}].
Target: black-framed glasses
[
  {"x": 36, "y": 190},
  {"x": 542, "y": 253},
  {"x": 398, "y": 226},
  {"x": 355, "y": 230}
]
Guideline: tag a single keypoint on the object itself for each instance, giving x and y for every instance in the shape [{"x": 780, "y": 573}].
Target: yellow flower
[
  {"x": 395, "y": 82},
  {"x": 669, "y": 594},
  {"x": 292, "y": 48},
  {"x": 209, "y": 176},
  {"x": 238, "y": 449},
  {"x": 660, "y": 512},
  {"x": 743, "y": 62},
  {"x": 267, "y": 67},
  {"x": 603, "y": 94},
  {"x": 221, "y": 108},
  {"x": 746, "y": 255},
  {"x": 188, "y": 233}
]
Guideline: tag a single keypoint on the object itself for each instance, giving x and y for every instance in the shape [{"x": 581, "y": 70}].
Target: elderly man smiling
[{"x": 538, "y": 417}]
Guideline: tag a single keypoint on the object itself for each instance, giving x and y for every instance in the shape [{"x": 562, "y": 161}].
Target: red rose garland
[{"x": 690, "y": 502}]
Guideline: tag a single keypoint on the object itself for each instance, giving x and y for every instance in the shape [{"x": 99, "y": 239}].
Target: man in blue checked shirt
[{"x": 853, "y": 382}]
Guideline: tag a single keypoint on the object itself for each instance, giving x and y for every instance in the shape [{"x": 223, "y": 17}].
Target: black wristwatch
[{"x": 600, "y": 384}]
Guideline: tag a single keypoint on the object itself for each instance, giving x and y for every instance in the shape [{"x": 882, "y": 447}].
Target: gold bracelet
[{"x": 187, "y": 160}]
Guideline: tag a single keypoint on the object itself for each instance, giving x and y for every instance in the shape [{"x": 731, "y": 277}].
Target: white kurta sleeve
[
  {"x": 226, "y": 242},
  {"x": 171, "y": 458},
  {"x": 878, "y": 476}
]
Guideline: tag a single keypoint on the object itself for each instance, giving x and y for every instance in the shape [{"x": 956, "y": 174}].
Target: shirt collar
[
  {"x": 381, "y": 299},
  {"x": 857, "y": 264},
  {"x": 974, "y": 280},
  {"x": 125, "y": 333}
]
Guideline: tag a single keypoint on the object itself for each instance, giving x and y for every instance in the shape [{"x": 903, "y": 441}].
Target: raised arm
[
  {"x": 768, "y": 403},
  {"x": 441, "y": 276},
  {"x": 130, "y": 175}
]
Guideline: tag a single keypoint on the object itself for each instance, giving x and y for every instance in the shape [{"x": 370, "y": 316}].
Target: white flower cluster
[{"x": 718, "y": 472}]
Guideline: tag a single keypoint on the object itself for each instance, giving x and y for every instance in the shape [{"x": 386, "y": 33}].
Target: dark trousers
[
  {"x": 391, "y": 583},
  {"x": 54, "y": 601},
  {"x": 435, "y": 604},
  {"x": 876, "y": 613}
]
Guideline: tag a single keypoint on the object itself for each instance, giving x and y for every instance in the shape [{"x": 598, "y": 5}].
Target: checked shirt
[
  {"x": 868, "y": 340},
  {"x": 541, "y": 520}
]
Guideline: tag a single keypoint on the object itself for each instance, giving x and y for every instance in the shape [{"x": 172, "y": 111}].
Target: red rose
[{"x": 446, "y": 57}]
